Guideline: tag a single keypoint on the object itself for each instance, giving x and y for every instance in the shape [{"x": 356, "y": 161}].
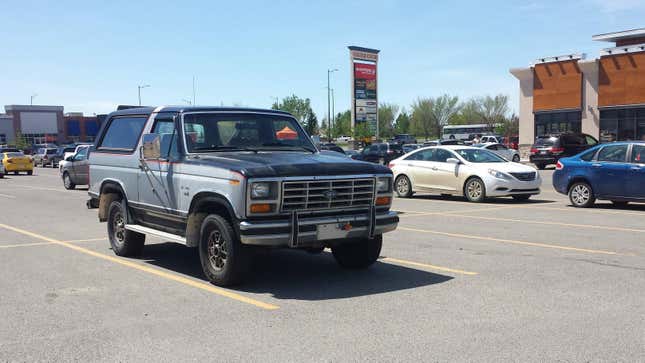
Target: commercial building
[
  {"x": 603, "y": 97},
  {"x": 46, "y": 124}
]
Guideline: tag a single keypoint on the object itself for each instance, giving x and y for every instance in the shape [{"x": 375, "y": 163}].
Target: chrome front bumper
[{"x": 315, "y": 231}]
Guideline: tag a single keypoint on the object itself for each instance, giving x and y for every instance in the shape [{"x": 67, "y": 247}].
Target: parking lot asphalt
[{"x": 497, "y": 281}]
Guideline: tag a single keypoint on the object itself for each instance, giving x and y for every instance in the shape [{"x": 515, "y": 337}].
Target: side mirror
[
  {"x": 151, "y": 147},
  {"x": 69, "y": 158},
  {"x": 453, "y": 161}
]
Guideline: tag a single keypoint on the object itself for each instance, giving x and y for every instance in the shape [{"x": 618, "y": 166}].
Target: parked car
[
  {"x": 444, "y": 142},
  {"x": 404, "y": 139},
  {"x": 46, "y": 156},
  {"x": 381, "y": 153},
  {"x": 343, "y": 138},
  {"x": 229, "y": 181},
  {"x": 74, "y": 170},
  {"x": 486, "y": 139},
  {"x": 331, "y": 147},
  {"x": 613, "y": 171},
  {"x": 501, "y": 150},
  {"x": 16, "y": 162},
  {"x": 464, "y": 171},
  {"x": 511, "y": 142},
  {"x": 1, "y": 170},
  {"x": 351, "y": 153},
  {"x": 549, "y": 149},
  {"x": 410, "y": 147}
]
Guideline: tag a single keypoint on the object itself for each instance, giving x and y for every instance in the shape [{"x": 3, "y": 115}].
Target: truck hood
[{"x": 287, "y": 164}]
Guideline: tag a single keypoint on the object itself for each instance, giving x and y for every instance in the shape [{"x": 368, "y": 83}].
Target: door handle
[
  {"x": 596, "y": 165},
  {"x": 636, "y": 168}
]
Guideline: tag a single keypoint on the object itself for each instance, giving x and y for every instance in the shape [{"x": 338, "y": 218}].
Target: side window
[
  {"x": 423, "y": 155},
  {"x": 501, "y": 147},
  {"x": 638, "y": 154},
  {"x": 122, "y": 133},
  {"x": 588, "y": 156},
  {"x": 441, "y": 155},
  {"x": 168, "y": 137},
  {"x": 382, "y": 148},
  {"x": 370, "y": 149},
  {"x": 590, "y": 140},
  {"x": 613, "y": 153},
  {"x": 81, "y": 154},
  {"x": 491, "y": 147}
]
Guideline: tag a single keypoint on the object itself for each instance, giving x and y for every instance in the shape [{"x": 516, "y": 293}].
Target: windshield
[
  {"x": 14, "y": 154},
  {"x": 253, "y": 132},
  {"x": 479, "y": 156}
]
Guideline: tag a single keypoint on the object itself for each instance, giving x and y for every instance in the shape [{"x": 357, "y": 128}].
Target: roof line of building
[{"x": 624, "y": 34}]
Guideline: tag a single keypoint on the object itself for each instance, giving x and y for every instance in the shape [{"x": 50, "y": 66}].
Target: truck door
[{"x": 155, "y": 182}]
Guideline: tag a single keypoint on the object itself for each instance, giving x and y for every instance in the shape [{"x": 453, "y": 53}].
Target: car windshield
[
  {"x": 479, "y": 156},
  {"x": 14, "y": 154},
  {"x": 205, "y": 132},
  {"x": 545, "y": 141}
]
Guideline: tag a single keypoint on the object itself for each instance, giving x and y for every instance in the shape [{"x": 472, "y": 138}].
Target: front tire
[
  {"x": 67, "y": 181},
  {"x": 224, "y": 260},
  {"x": 475, "y": 190},
  {"x": 360, "y": 254},
  {"x": 581, "y": 195},
  {"x": 30, "y": 172},
  {"x": 403, "y": 186},
  {"x": 124, "y": 243}
]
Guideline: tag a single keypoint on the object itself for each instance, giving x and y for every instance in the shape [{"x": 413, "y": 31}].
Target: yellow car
[{"x": 16, "y": 162}]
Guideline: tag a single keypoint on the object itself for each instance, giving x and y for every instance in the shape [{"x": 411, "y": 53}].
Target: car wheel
[
  {"x": 30, "y": 172},
  {"x": 403, "y": 186},
  {"x": 516, "y": 158},
  {"x": 520, "y": 198},
  {"x": 619, "y": 203},
  {"x": 358, "y": 254},
  {"x": 67, "y": 181},
  {"x": 541, "y": 166},
  {"x": 475, "y": 190},
  {"x": 223, "y": 258},
  {"x": 581, "y": 195},
  {"x": 123, "y": 241},
  {"x": 15, "y": 173},
  {"x": 1, "y": 175}
]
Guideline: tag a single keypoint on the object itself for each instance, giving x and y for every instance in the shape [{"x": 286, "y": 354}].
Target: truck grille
[
  {"x": 327, "y": 194},
  {"x": 524, "y": 176}
]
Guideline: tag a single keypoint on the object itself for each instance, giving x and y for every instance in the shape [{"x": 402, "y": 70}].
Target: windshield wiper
[
  {"x": 224, "y": 148},
  {"x": 289, "y": 147}
]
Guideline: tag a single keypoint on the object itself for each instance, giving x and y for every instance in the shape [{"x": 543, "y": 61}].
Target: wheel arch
[
  {"x": 578, "y": 179},
  {"x": 203, "y": 204},
  {"x": 407, "y": 176},
  {"x": 110, "y": 191}
]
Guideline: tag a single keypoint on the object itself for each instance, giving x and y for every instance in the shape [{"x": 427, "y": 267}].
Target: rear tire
[
  {"x": 581, "y": 195},
  {"x": 475, "y": 190},
  {"x": 521, "y": 198},
  {"x": 67, "y": 181},
  {"x": 224, "y": 260},
  {"x": 360, "y": 254},
  {"x": 403, "y": 186},
  {"x": 124, "y": 243},
  {"x": 30, "y": 172}
]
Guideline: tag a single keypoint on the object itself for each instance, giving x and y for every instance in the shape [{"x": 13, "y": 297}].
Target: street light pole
[
  {"x": 31, "y": 99},
  {"x": 139, "y": 87},
  {"x": 329, "y": 71},
  {"x": 333, "y": 109}
]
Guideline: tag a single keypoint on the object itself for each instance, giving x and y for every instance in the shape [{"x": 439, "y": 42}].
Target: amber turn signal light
[
  {"x": 261, "y": 208},
  {"x": 383, "y": 200}
]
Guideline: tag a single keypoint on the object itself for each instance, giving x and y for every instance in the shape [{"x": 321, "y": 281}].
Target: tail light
[
  {"x": 534, "y": 151},
  {"x": 10, "y": 161},
  {"x": 390, "y": 151},
  {"x": 559, "y": 166},
  {"x": 557, "y": 150}
]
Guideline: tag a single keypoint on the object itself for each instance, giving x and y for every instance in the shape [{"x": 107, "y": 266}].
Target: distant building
[
  {"x": 7, "y": 132},
  {"x": 79, "y": 127},
  {"x": 603, "y": 97}
]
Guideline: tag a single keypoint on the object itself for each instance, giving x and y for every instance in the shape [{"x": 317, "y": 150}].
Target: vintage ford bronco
[{"x": 231, "y": 180}]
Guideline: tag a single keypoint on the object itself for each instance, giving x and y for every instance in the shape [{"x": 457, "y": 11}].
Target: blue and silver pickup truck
[{"x": 230, "y": 180}]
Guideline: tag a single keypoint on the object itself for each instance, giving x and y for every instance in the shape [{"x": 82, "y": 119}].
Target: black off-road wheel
[
  {"x": 224, "y": 259},
  {"x": 124, "y": 243},
  {"x": 403, "y": 186},
  {"x": 67, "y": 181},
  {"x": 358, "y": 254}
]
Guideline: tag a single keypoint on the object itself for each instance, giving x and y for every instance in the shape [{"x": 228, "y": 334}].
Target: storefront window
[
  {"x": 557, "y": 122},
  {"x": 622, "y": 124}
]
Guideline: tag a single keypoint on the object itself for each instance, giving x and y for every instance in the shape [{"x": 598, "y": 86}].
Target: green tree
[
  {"x": 443, "y": 108},
  {"x": 509, "y": 127},
  {"x": 402, "y": 123},
  {"x": 361, "y": 131},
  {"x": 20, "y": 142},
  {"x": 469, "y": 113},
  {"x": 343, "y": 124},
  {"x": 387, "y": 113},
  {"x": 493, "y": 110},
  {"x": 301, "y": 110},
  {"x": 422, "y": 118}
]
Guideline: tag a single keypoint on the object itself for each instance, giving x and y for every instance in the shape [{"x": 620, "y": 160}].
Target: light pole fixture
[
  {"x": 31, "y": 99},
  {"x": 139, "y": 87},
  {"x": 329, "y": 72}
]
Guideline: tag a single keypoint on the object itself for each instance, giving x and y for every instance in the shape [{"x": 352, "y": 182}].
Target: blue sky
[{"x": 90, "y": 57}]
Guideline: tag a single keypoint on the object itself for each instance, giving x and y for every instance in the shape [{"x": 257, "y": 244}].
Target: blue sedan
[{"x": 614, "y": 171}]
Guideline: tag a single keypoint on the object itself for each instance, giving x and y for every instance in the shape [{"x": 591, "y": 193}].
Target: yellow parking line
[
  {"x": 524, "y": 243},
  {"x": 432, "y": 267},
  {"x": 87, "y": 240},
  {"x": 609, "y": 228},
  {"x": 153, "y": 271}
]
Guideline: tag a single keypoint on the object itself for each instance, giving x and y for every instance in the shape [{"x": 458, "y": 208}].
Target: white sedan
[
  {"x": 465, "y": 171},
  {"x": 501, "y": 150}
]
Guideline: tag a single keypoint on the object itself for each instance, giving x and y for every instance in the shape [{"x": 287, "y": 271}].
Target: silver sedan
[{"x": 501, "y": 150}]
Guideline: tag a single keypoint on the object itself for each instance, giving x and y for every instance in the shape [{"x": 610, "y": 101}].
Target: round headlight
[
  {"x": 260, "y": 190},
  {"x": 382, "y": 184}
]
